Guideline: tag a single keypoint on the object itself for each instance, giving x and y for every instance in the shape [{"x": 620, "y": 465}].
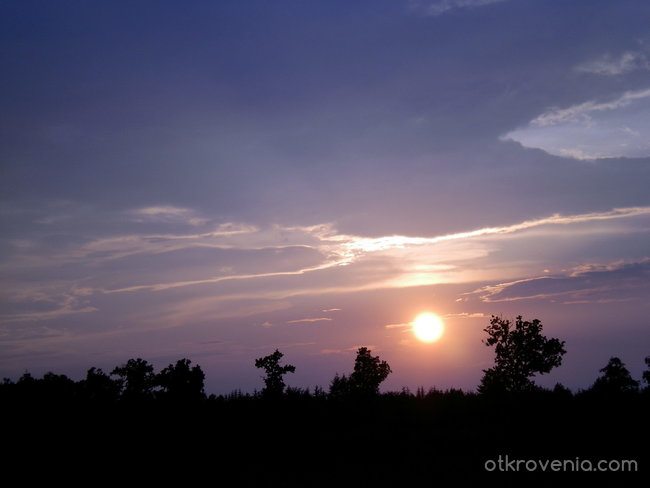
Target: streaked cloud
[
  {"x": 423, "y": 260},
  {"x": 293, "y": 261},
  {"x": 398, "y": 326},
  {"x": 584, "y": 112},
  {"x": 348, "y": 350},
  {"x": 466, "y": 315},
  {"x": 309, "y": 320},
  {"x": 56, "y": 306},
  {"x": 594, "y": 129},
  {"x": 609, "y": 65},
  {"x": 439, "y": 7},
  {"x": 595, "y": 283},
  {"x": 168, "y": 214}
]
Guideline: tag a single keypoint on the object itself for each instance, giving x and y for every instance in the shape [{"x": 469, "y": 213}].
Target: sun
[{"x": 428, "y": 327}]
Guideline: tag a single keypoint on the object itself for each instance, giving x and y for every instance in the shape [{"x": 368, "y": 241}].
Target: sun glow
[{"x": 428, "y": 327}]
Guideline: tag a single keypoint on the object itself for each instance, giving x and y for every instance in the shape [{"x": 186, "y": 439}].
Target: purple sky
[{"x": 215, "y": 180}]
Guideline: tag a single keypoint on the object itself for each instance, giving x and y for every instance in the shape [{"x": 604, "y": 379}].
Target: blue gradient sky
[{"x": 214, "y": 180}]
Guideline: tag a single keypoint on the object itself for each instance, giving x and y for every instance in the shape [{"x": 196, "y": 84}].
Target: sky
[{"x": 217, "y": 180}]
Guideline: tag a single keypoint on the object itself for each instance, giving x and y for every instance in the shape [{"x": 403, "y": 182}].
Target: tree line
[{"x": 521, "y": 352}]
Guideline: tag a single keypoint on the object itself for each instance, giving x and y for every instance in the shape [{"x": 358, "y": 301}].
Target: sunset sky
[{"x": 218, "y": 179}]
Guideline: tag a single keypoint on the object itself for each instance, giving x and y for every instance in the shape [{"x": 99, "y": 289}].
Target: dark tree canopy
[
  {"x": 646, "y": 373},
  {"x": 615, "y": 379},
  {"x": 369, "y": 372},
  {"x": 520, "y": 352},
  {"x": 273, "y": 381},
  {"x": 98, "y": 386},
  {"x": 340, "y": 387},
  {"x": 136, "y": 378},
  {"x": 180, "y": 382}
]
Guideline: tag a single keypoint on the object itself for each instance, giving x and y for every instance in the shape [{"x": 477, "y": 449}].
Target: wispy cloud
[
  {"x": 59, "y": 305},
  {"x": 218, "y": 279},
  {"x": 439, "y": 7},
  {"x": 309, "y": 320},
  {"x": 465, "y": 315},
  {"x": 609, "y": 65},
  {"x": 594, "y": 129},
  {"x": 338, "y": 263},
  {"x": 167, "y": 214},
  {"x": 223, "y": 236},
  {"x": 342, "y": 250},
  {"x": 398, "y": 326},
  {"x": 596, "y": 283},
  {"x": 601, "y": 301},
  {"x": 347, "y": 350},
  {"x": 582, "y": 112}
]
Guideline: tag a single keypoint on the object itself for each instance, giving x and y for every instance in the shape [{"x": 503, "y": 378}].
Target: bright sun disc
[{"x": 428, "y": 327}]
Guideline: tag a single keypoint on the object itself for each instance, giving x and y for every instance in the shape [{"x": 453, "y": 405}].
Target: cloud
[
  {"x": 608, "y": 65},
  {"x": 465, "y": 315},
  {"x": 398, "y": 326},
  {"x": 440, "y": 7},
  {"x": 347, "y": 349},
  {"x": 619, "y": 127},
  {"x": 166, "y": 214},
  {"x": 266, "y": 265},
  {"x": 583, "y": 112},
  {"x": 309, "y": 320},
  {"x": 594, "y": 283},
  {"x": 292, "y": 261},
  {"x": 417, "y": 256},
  {"x": 57, "y": 306},
  {"x": 122, "y": 246},
  {"x": 331, "y": 351}
]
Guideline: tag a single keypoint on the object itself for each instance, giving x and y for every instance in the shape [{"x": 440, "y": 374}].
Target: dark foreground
[{"x": 437, "y": 439}]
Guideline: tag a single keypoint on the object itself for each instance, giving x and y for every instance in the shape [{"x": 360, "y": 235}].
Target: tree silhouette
[
  {"x": 340, "y": 387},
  {"x": 180, "y": 382},
  {"x": 646, "y": 373},
  {"x": 98, "y": 386},
  {"x": 369, "y": 372},
  {"x": 273, "y": 381},
  {"x": 616, "y": 379},
  {"x": 520, "y": 353},
  {"x": 136, "y": 379}
]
